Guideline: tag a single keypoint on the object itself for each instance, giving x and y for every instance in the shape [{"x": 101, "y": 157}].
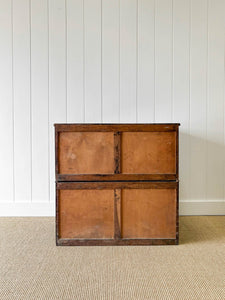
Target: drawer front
[
  {"x": 86, "y": 214},
  {"x": 86, "y": 153},
  {"x": 149, "y": 213},
  {"x": 117, "y": 213},
  {"x": 148, "y": 152},
  {"x": 116, "y": 152}
]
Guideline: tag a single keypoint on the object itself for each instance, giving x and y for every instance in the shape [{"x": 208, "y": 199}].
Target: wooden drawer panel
[
  {"x": 116, "y": 152},
  {"x": 149, "y": 213},
  {"x": 86, "y": 214},
  {"x": 86, "y": 153},
  {"x": 148, "y": 152},
  {"x": 117, "y": 213}
]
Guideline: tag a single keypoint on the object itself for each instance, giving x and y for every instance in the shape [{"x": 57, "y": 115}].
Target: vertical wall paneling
[
  {"x": 6, "y": 103},
  {"x": 163, "y": 60},
  {"x": 198, "y": 99},
  {"x": 39, "y": 100},
  {"x": 110, "y": 61},
  {"x": 22, "y": 104},
  {"x": 181, "y": 87},
  {"x": 128, "y": 60},
  {"x": 146, "y": 61},
  {"x": 75, "y": 84},
  {"x": 57, "y": 77},
  {"x": 215, "y": 101},
  {"x": 92, "y": 59}
]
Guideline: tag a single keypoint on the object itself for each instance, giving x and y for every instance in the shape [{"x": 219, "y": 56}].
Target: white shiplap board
[
  {"x": 110, "y": 61},
  {"x": 75, "y": 60},
  {"x": 181, "y": 87},
  {"x": 163, "y": 60},
  {"x": 57, "y": 78},
  {"x": 128, "y": 61},
  {"x": 92, "y": 60},
  {"x": 6, "y": 104},
  {"x": 215, "y": 92},
  {"x": 39, "y": 100},
  {"x": 22, "y": 100},
  {"x": 145, "y": 61},
  {"x": 198, "y": 99}
]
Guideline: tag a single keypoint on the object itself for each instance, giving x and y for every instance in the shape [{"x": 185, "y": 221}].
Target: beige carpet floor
[{"x": 32, "y": 267}]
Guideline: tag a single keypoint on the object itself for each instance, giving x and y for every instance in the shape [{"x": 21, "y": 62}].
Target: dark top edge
[
  {"x": 116, "y": 124},
  {"x": 121, "y": 181}
]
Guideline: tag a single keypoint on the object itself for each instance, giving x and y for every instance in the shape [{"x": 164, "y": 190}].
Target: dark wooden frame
[
  {"x": 117, "y": 129},
  {"x": 116, "y": 181},
  {"x": 116, "y": 186}
]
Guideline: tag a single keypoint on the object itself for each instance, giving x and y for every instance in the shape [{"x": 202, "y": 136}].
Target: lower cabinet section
[{"x": 117, "y": 213}]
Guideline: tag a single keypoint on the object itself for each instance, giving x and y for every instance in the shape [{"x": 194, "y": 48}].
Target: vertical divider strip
[
  {"x": 56, "y": 152},
  {"x": 57, "y": 214},
  {"x": 177, "y": 213},
  {"x": 117, "y": 150},
  {"x": 117, "y": 213},
  {"x": 177, "y": 153}
]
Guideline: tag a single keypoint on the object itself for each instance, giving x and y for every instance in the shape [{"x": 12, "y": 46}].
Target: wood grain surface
[
  {"x": 149, "y": 213},
  {"x": 86, "y": 152},
  {"x": 148, "y": 152},
  {"x": 86, "y": 214}
]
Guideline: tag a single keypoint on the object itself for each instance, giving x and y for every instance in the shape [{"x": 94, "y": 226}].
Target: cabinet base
[{"x": 113, "y": 242}]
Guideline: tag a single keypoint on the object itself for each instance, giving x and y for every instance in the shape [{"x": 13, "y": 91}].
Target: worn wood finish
[
  {"x": 86, "y": 214},
  {"x": 115, "y": 177},
  {"x": 116, "y": 127},
  {"x": 116, "y": 242},
  {"x": 149, "y": 152},
  {"x": 117, "y": 184},
  {"x": 125, "y": 211},
  {"x": 149, "y": 213},
  {"x": 117, "y": 150},
  {"x": 86, "y": 152},
  {"x": 56, "y": 153},
  {"x": 177, "y": 152},
  {"x": 117, "y": 214},
  {"x": 177, "y": 214}
]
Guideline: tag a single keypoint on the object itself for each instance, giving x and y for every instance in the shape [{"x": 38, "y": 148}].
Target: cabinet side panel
[{"x": 149, "y": 213}]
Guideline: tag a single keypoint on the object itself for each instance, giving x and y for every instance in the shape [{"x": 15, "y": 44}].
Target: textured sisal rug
[{"x": 32, "y": 267}]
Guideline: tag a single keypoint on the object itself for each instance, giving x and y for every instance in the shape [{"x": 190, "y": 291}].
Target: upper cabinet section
[{"x": 89, "y": 152}]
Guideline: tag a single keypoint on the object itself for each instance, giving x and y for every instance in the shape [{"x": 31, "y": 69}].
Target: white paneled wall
[{"x": 110, "y": 61}]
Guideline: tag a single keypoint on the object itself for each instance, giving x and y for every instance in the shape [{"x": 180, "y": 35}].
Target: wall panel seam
[
  {"x": 119, "y": 56},
  {"x": 207, "y": 99},
  {"x": 31, "y": 106},
  {"x": 48, "y": 55},
  {"x": 172, "y": 64},
  {"x": 154, "y": 56},
  {"x": 137, "y": 66},
  {"x": 101, "y": 69},
  {"x": 66, "y": 61},
  {"x": 84, "y": 104},
  {"x": 13, "y": 110}
]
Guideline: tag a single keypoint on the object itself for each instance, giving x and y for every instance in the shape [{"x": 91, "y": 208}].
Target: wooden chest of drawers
[{"x": 116, "y": 184}]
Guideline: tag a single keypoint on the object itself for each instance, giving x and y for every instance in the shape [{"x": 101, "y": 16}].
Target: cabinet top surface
[{"x": 116, "y": 126}]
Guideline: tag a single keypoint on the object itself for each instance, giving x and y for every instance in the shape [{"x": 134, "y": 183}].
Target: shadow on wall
[{"x": 202, "y": 168}]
